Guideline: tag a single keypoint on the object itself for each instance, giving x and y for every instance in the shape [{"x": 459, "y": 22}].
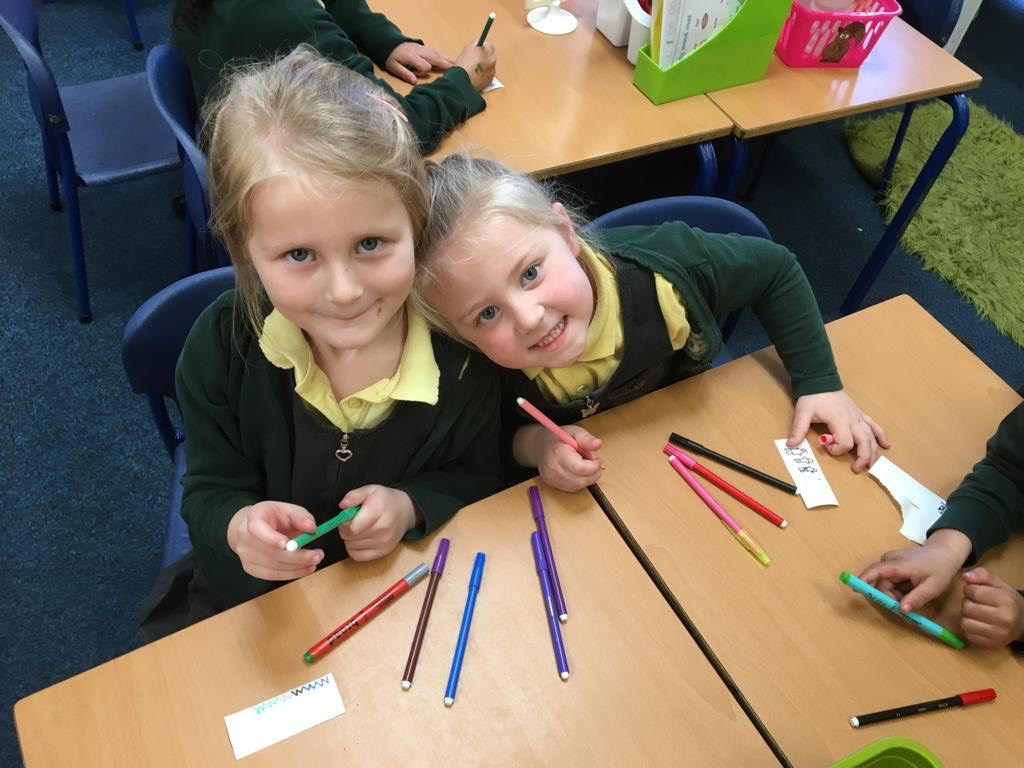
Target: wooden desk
[
  {"x": 903, "y": 66},
  {"x": 569, "y": 101},
  {"x": 640, "y": 693},
  {"x": 806, "y": 651}
]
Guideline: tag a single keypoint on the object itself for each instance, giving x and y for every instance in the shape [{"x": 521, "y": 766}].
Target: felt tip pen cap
[
  {"x": 416, "y": 574},
  {"x": 538, "y": 552},
  {"x": 826, "y": 439},
  {"x": 478, "y": 571},
  {"x": 441, "y": 556},
  {"x": 976, "y": 697}
]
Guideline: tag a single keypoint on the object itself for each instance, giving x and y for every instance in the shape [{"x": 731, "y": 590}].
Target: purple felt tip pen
[
  {"x": 549, "y": 605},
  {"x": 549, "y": 557}
]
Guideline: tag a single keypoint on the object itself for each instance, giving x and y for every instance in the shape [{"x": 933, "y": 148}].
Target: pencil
[
  {"x": 428, "y": 602},
  {"x": 960, "y": 700},
  {"x": 735, "y": 528},
  {"x": 328, "y": 525},
  {"x": 690, "y": 445},
  {"x": 467, "y": 620},
  {"x": 725, "y": 485},
  {"x": 551, "y": 427},
  {"x": 487, "y": 28}
]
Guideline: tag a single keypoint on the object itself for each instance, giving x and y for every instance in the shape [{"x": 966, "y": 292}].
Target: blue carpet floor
[{"x": 85, "y": 479}]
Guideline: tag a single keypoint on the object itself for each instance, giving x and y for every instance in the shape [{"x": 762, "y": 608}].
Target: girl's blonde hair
[
  {"x": 310, "y": 118},
  {"x": 466, "y": 191}
]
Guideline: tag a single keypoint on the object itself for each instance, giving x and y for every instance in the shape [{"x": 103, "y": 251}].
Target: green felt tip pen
[
  {"x": 929, "y": 626},
  {"x": 303, "y": 539}
]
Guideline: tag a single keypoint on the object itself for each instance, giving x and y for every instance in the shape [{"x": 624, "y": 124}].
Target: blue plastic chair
[
  {"x": 170, "y": 84},
  {"x": 711, "y": 214},
  {"x": 94, "y": 134},
  {"x": 150, "y": 347},
  {"x": 133, "y": 25}
]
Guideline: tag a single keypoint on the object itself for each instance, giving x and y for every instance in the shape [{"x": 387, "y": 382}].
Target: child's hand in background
[
  {"x": 384, "y": 518},
  {"x": 562, "y": 467},
  {"x": 992, "y": 612},
  {"x": 918, "y": 575},
  {"x": 409, "y": 61},
  {"x": 851, "y": 427},
  {"x": 258, "y": 535}
]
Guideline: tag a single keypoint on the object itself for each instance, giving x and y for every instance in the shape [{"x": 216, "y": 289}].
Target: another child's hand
[
  {"x": 480, "y": 62},
  {"x": 410, "y": 61},
  {"x": 993, "y": 611},
  {"x": 851, "y": 427},
  {"x": 259, "y": 533},
  {"x": 918, "y": 575},
  {"x": 561, "y": 467},
  {"x": 384, "y": 518}
]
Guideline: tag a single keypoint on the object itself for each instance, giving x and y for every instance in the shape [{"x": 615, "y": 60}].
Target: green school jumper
[
  {"x": 346, "y": 31},
  {"x": 241, "y": 421}
]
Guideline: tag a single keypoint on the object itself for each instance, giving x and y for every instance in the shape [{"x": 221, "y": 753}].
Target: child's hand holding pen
[
  {"x": 259, "y": 534},
  {"x": 560, "y": 465},
  {"x": 851, "y": 428},
  {"x": 385, "y": 515},
  {"x": 480, "y": 62}
]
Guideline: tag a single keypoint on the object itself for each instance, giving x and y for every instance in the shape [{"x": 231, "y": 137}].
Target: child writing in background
[
  {"x": 588, "y": 327},
  {"x": 980, "y": 514},
  {"x": 314, "y": 385},
  {"x": 213, "y": 33}
]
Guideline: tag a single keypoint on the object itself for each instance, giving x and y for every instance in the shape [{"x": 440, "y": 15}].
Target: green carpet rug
[{"x": 970, "y": 227}]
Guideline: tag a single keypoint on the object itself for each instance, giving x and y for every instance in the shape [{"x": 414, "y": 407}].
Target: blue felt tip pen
[
  {"x": 467, "y": 620},
  {"x": 929, "y": 626}
]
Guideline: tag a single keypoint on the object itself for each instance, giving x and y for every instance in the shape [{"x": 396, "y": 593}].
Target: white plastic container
[
  {"x": 613, "y": 21},
  {"x": 639, "y": 29}
]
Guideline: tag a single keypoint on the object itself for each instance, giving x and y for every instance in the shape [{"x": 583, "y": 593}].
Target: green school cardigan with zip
[
  {"x": 345, "y": 30},
  {"x": 237, "y": 410}
]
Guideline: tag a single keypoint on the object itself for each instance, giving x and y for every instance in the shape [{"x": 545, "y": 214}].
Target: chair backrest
[
  {"x": 935, "y": 19},
  {"x": 155, "y": 335},
  {"x": 18, "y": 19},
  {"x": 170, "y": 83},
  {"x": 712, "y": 214}
]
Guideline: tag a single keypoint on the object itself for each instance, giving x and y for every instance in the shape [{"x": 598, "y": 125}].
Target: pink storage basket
[{"x": 812, "y": 38}]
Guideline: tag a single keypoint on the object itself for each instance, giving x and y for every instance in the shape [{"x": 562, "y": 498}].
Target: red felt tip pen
[
  {"x": 960, "y": 700},
  {"x": 694, "y": 466},
  {"x": 826, "y": 439},
  {"x": 364, "y": 616}
]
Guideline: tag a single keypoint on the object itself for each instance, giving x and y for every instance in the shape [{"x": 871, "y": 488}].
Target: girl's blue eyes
[
  {"x": 299, "y": 255},
  {"x": 530, "y": 274},
  {"x": 487, "y": 313},
  {"x": 304, "y": 255}
]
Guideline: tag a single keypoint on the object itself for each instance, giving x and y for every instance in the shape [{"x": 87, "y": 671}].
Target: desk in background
[
  {"x": 569, "y": 101},
  {"x": 640, "y": 693},
  {"x": 806, "y": 651},
  {"x": 903, "y": 67}
]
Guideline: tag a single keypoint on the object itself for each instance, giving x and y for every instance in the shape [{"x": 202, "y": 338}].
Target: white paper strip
[
  {"x": 284, "y": 715},
  {"x": 920, "y": 507},
  {"x": 803, "y": 467}
]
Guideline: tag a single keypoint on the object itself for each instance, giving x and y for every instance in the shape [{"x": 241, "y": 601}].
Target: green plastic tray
[{"x": 891, "y": 752}]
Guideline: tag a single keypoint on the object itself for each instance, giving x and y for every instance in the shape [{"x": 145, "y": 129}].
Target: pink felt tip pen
[
  {"x": 741, "y": 535},
  {"x": 826, "y": 439},
  {"x": 553, "y": 428}
]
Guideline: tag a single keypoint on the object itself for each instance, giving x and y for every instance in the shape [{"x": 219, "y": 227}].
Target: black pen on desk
[
  {"x": 487, "y": 28},
  {"x": 684, "y": 442}
]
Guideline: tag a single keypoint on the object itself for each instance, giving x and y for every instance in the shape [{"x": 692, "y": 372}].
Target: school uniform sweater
[
  {"x": 989, "y": 503},
  {"x": 713, "y": 275},
  {"x": 344, "y": 30},
  {"x": 251, "y": 438}
]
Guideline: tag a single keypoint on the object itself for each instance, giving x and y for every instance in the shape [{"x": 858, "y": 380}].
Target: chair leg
[
  {"x": 897, "y": 143},
  {"x": 51, "y": 177},
  {"x": 77, "y": 249},
  {"x": 707, "y": 170},
  {"x": 133, "y": 25},
  {"x": 915, "y": 196}
]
